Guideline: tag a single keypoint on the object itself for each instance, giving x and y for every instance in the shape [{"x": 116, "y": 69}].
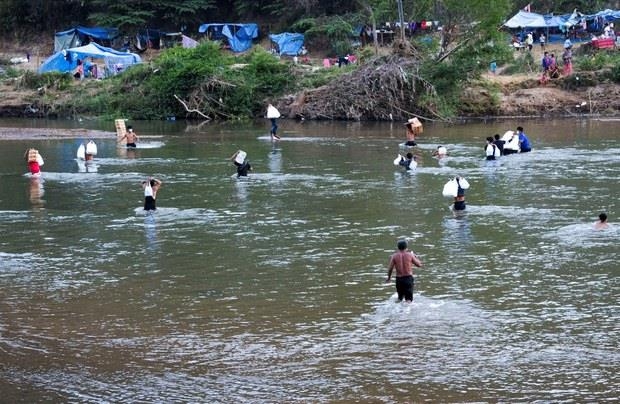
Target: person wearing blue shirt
[{"x": 524, "y": 142}]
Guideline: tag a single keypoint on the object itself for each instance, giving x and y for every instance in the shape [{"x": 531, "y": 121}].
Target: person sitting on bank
[
  {"x": 130, "y": 136},
  {"x": 240, "y": 161},
  {"x": 602, "y": 222},
  {"x": 491, "y": 150},
  {"x": 414, "y": 128},
  {"x": 151, "y": 186}
]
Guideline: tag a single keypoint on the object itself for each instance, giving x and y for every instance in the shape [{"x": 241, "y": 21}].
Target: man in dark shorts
[
  {"x": 131, "y": 138},
  {"x": 403, "y": 261}
]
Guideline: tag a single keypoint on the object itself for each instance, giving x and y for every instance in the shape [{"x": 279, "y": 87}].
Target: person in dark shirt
[{"x": 499, "y": 143}]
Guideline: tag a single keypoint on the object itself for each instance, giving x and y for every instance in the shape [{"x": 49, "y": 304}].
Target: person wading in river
[
  {"x": 151, "y": 186},
  {"x": 403, "y": 261}
]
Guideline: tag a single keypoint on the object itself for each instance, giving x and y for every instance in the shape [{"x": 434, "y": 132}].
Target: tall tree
[{"x": 129, "y": 15}]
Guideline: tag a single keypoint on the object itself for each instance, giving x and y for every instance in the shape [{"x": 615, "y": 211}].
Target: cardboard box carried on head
[
  {"x": 120, "y": 128},
  {"x": 415, "y": 125}
]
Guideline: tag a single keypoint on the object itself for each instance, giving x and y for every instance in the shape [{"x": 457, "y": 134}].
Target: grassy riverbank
[{"x": 210, "y": 83}]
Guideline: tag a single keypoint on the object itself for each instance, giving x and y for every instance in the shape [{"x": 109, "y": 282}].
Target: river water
[{"x": 271, "y": 289}]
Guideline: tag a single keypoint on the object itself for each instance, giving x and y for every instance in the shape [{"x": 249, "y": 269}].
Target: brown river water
[{"x": 271, "y": 288}]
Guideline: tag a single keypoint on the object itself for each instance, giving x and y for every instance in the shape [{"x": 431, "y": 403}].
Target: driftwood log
[{"x": 385, "y": 89}]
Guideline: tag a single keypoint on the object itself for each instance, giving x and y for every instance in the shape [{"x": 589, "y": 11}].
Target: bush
[{"x": 52, "y": 80}]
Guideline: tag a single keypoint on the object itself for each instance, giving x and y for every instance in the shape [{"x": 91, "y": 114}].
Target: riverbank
[
  {"x": 518, "y": 95},
  {"x": 47, "y": 134}
]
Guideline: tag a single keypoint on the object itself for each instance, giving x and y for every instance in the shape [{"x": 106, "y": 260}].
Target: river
[{"x": 271, "y": 288}]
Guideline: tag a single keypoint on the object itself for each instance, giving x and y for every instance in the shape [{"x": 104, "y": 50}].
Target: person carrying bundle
[
  {"x": 35, "y": 161},
  {"x": 414, "y": 128}
]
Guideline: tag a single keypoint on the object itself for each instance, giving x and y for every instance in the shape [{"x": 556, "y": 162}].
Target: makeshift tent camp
[
  {"x": 523, "y": 19},
  {"x": 148, "y": 38},
  {"x": 288, "y": 43},
  {"x": 79, "y": 36},
  {"x": 239, "y": 36},
  {"x": 113, "y": 60}
]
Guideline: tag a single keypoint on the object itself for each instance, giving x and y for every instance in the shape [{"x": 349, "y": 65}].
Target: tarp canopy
[
  {"x": 66, "y": 59},
  {"x": 239, "y": 36},
  {"x": 523, "y": 19},
  {"x": 608, "y": 15},
  {"x": 79, "y": 36},
  {"x": 288, "y": 43}
]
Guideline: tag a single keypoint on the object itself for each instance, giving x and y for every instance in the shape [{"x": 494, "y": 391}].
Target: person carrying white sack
[
  {"x": 240, "y": 161},
  {"x": 91, "y": 150},
  {"x": 491, "y": 149},
  {"x": 273, "y": 114},
  {"x": 407, "y": 161},
  {"x": 455, "y": 188},
  {"x": 511, "y": 143}
]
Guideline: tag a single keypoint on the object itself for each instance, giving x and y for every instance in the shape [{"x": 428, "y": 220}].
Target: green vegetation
[
  {"x": 435, "y": 68},
  {"x": 205, "y": 78}
]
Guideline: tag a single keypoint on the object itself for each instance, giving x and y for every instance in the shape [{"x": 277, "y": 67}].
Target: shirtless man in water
[
  {"x": 602, "y": 222},
  {"x": 131, "y": 137},
  {"x": 403, "y": 260}
]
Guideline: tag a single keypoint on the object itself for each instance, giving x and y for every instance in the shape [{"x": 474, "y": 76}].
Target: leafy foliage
[
  {"x": 53, "y": 80},
  {"x": 207, "y": 78}
]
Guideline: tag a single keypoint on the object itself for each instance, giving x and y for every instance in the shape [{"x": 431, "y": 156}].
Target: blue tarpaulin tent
[
  {"x": 79, "y": 36},
  {"x": 288, "y": 43},
  {"x": 239, "y": 36},
  {"x": 66, "y": 60}
]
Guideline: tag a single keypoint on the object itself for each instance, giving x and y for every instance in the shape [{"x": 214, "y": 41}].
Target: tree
[{"x": 129, "y": 15}]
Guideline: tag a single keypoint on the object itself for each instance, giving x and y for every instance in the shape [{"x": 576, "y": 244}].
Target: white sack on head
[{"x": 272, "y": 112}]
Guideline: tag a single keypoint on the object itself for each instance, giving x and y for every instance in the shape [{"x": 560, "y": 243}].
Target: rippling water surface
[{"x": 271, "y": 288}]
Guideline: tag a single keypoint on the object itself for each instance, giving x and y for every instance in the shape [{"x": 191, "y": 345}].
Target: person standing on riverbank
[
  {"x": 35, "y": 161},
  {"x": 403, "y": 261}
]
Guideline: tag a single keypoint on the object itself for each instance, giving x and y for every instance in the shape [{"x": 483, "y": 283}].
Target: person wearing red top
[{"x": 403, "y": 261}]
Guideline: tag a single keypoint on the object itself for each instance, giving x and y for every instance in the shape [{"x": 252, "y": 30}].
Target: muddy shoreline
[{"x": 42, "y": 134}]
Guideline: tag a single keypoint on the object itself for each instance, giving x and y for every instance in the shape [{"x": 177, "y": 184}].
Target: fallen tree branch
[{"x": 191, "y": 110}]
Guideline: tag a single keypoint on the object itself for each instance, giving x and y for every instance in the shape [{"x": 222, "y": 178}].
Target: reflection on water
[
  {"x": 36, "y": 192},
  {"x": 271, "y": 288}
]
